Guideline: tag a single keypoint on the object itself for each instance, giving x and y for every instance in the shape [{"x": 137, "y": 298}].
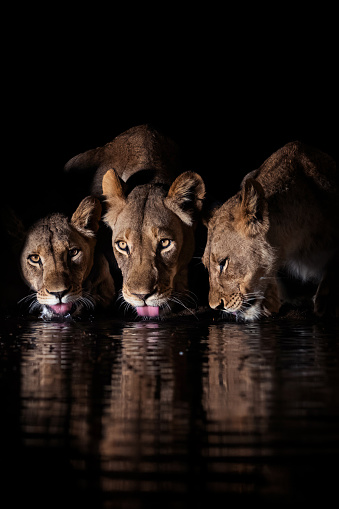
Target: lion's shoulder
[
  {"x": 139, "y": 148},
  {"x": 295, "y": 164}
]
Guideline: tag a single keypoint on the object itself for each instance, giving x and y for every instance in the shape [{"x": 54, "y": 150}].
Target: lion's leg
[
  {"x": 273, "y": 299},
  {"x": 326, "y": 299}
]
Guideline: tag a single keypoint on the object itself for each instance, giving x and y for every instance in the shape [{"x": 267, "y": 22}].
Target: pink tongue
[
  {"x": 148, "y": 310},
  {"x": 61, "y": 309}
]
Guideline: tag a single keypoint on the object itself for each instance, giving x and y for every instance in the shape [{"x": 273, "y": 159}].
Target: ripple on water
[{"x": 174, "y": 411}]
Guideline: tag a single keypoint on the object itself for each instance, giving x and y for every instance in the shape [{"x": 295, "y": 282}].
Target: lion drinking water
[
  {"x": 151, "y": 209},
  {"x": 59, "y": 261},
  {"x": 285, "y": 216}
]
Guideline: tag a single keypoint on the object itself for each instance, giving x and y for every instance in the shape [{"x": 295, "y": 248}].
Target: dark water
[{"x": 181, "y": 414}]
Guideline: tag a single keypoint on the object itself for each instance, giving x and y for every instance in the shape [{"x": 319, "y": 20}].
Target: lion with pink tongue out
[
  {"x": 152, "y": 211},
  {"x": 61, "y": 264}
]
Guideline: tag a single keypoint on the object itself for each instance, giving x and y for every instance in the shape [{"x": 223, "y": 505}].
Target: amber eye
[
  {"x": 73, "y": 252},
  {"x": 34, "y": 258},
  {"x": 164, "y": 243},
  {"x": 122, "y": 246}
]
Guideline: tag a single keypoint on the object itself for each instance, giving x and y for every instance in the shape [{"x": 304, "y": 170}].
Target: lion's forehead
[
  {"x": 225, "y": 243},
  {"x": 48, "y": 238},
  {"x": 147, "y": 204},
  {"x": 147, "y": 218}
]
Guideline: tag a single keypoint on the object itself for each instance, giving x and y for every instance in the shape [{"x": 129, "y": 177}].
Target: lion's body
[
  {"x": 151, "y": 211},
  {"x": 285, "y": 216},
  {"x": 140, "y": 148},
  {"x": 60, "y": 262}
]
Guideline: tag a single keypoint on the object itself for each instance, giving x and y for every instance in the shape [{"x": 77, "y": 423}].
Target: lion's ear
[
  {"x": 185, "y": 196},
  {"x": 115, "y": 197},
  {"x": 87, "y": 216},
  {"x": 253, "y": 215}
]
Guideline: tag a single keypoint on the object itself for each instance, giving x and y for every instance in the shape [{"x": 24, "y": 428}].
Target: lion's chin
[{"x": 251, "y": 313}]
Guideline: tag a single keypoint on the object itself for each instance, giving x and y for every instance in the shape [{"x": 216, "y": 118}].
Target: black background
[
  {"x": 229, "y": 85},
  {"x": 229, "y": 88}
]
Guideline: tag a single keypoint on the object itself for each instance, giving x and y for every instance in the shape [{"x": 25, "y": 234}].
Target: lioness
[
  {"x": 284, "y": 216},
  {"x": 151, "y": 213},
  {"x": 60, "y": 263}
]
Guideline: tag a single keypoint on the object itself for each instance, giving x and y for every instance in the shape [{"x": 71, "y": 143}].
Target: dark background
[{"x": 230, "y": 88}]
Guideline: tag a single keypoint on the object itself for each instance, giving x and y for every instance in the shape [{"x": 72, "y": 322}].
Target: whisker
[
  {"x": 87, "y": 302},
  {"x": 123, "y": 305},
  {"x": 120, "y": 299},
  {"x": 34, "y": 305},
  {"x": 30, "y": 300},
  {"x": 178, "y": 301},
  {"x": 167, "y": 305},
  {"x": 254, "y": 298},
  {"x": 27, "y": 298},
  {"x": 275, "y": 277},
  {"x": 187, "y": 296}
]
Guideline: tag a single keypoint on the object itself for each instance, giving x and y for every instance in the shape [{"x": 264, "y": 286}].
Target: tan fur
[
  {"x": 68, "y": 261},
  {"x": 138, "y": 148},
  {"x": 151, "y": 214},
  {"x": 286, "y": 215}
]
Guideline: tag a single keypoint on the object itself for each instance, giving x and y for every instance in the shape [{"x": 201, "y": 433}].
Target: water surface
[{"x": 186, "y": 413}]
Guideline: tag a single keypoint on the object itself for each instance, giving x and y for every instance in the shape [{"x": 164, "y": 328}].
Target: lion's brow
[
  {"x": 50, "y": 241},
  {"x": 146, "y": 199}
]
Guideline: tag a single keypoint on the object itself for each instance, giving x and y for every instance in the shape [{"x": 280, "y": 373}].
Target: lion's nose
[
  {"x": 144, "y": 296},
  {"x": 215, "y": 301},
  {"x": 221, "y": 305},
  {"x": 60, "y": 294}
]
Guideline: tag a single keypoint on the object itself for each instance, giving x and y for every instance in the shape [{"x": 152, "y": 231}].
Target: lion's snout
[
  {"x": 231, "y": 303},
  {"x": 139, "y": 296},
  {"x": 60, "y": 293},
  {"x": 145, "y": 295}
]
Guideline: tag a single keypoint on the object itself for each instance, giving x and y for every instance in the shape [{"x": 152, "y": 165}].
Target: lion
[
  {"x": 285, "y": 216},
  {"x": 61, "y": 264},
  {"x": 152, "y": 210}
]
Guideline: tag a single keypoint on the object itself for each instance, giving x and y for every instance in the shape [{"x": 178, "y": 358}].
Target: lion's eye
[
  {"x": 122, "y": 246},
  {"x": 34, "y": 258},
  {"x": 73, "y": 252},
  {"x": 164, "y": 243},
  {"x": 223, "y": 264}
]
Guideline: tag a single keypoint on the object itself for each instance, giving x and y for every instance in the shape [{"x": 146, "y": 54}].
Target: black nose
[
  {"x": 221, "y": 305},
  {"x": 59, "y": 295}
]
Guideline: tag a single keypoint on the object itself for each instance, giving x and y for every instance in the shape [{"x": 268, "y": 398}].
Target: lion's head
[
  {"x": 57, "y": 258},
  {"x": 239, "y": 258},
  {"x": 153, "y": 237}
]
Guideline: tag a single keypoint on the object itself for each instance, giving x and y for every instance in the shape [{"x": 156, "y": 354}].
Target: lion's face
[
  {"x": 57, "y": 257},
  {"x": 152, "y": 238},
  {"x": 240, "y": 261}
]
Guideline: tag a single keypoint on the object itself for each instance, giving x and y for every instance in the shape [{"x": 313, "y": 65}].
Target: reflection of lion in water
[
  {"x": 286, "y": 215},
  {"x": 60, "y": 263},
  {"x": 151, "y": 213}
]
